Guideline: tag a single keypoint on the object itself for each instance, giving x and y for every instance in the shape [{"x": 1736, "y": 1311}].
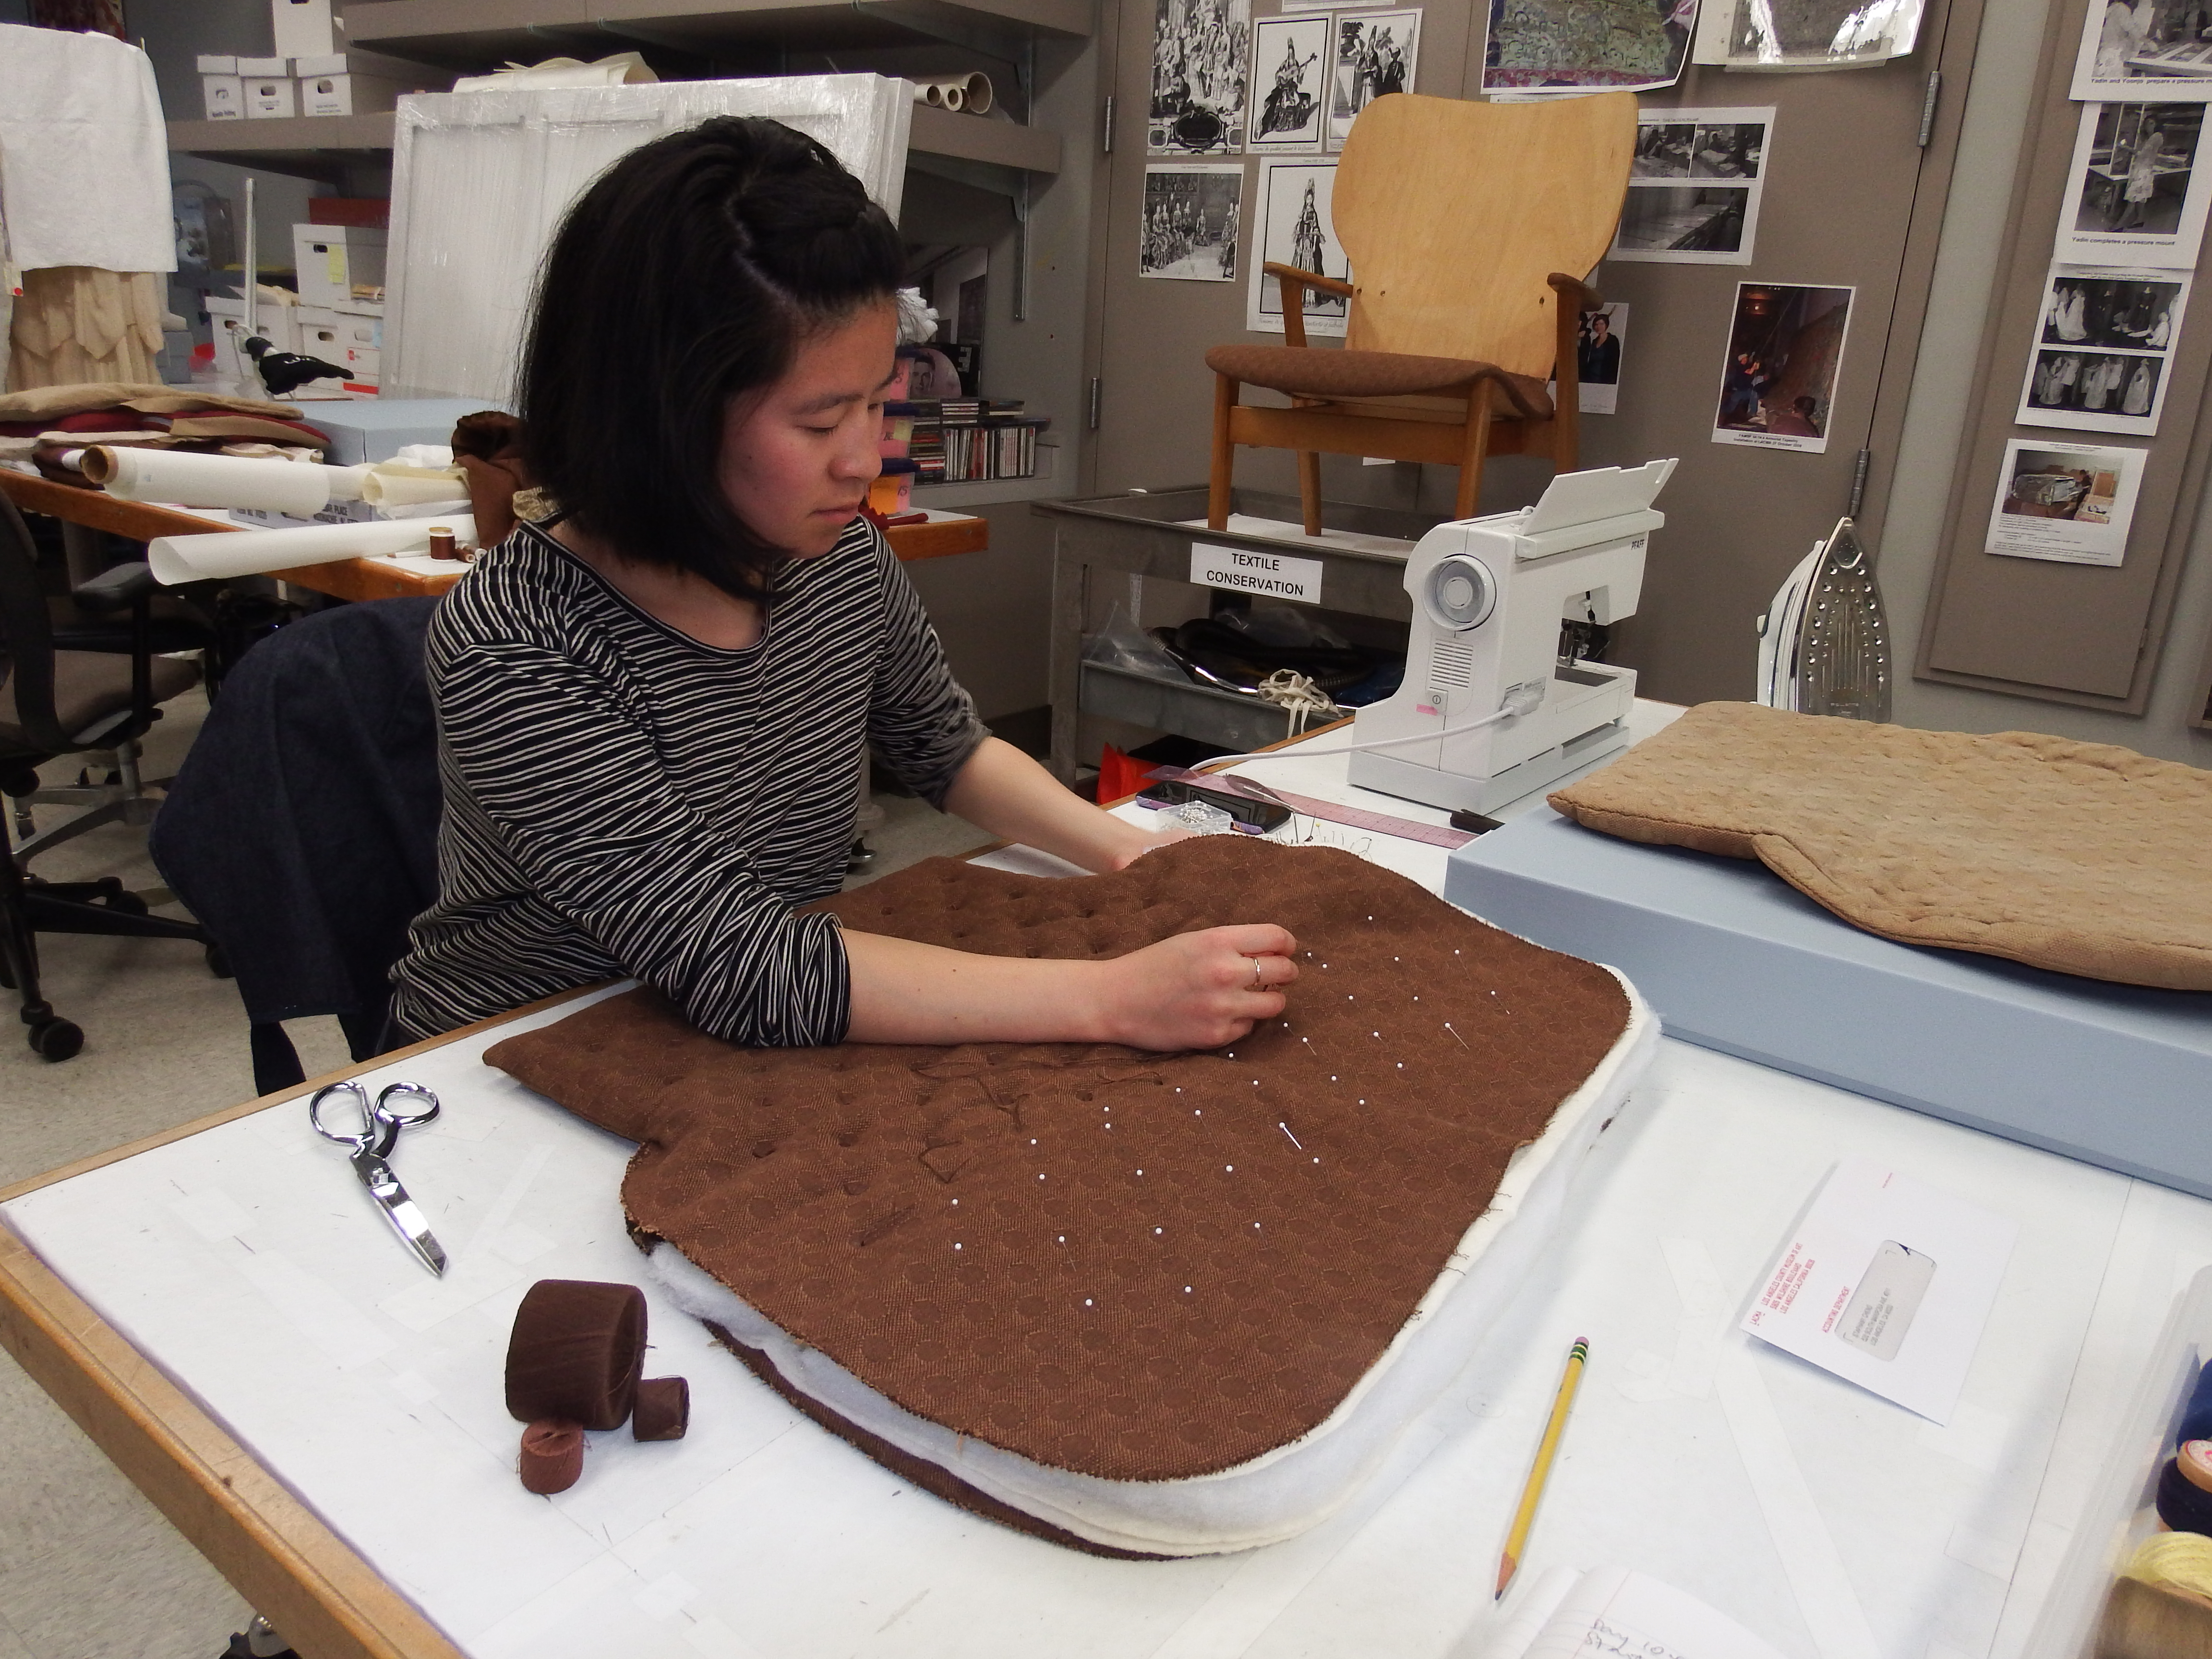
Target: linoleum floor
[{"x": 88, "y": 1568}]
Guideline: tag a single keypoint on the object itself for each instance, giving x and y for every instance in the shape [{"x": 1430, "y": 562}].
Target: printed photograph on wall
[
  {"x": 1201, "y": 52},
  {"x": 2071, "y": 503},
  {"x": 1191, "y": 222},
  {"x": 1560, "y": 45},
  {"x": 1294, "y": 228},
  {"x": 1815, "y": 33},
  {"x": 2104, "y": 349},
  {"x": 1778, "y": 380},
  {"x": 2147, "y": 49},
  {"x": 1695, "y": 182},
  {"x": 1289, "y": 82},
  {"x": 2135, "y": 195},
  {"x": 1599, "y": 336},
  {"x": 1376, "y": 52}
]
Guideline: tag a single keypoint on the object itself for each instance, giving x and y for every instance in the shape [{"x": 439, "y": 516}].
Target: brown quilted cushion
[
  {"x": 1113, "y": 1262},
  {"x": 2080, "y": 857},
  {"x": 1316, "y": 371}
]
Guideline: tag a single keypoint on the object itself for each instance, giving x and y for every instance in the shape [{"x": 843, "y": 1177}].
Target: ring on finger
[{"x": 1258, "y": 981}]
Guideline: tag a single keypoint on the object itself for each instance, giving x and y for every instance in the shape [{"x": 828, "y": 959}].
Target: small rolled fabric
[
  {"x": 663, "y": 1410},
  {"x": 552, "y": 1458},
  {"x": 576, "y": 1353}
]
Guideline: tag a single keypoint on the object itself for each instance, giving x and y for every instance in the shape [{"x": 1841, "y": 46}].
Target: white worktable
[{"x": 244, "y": 1262}]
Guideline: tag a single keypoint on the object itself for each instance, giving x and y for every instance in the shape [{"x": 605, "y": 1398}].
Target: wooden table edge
[{"x": 278, "y": 1553}]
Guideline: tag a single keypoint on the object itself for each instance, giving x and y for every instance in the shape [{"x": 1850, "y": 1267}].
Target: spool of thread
[
  {"x": 2197, "y": 1417},
  {"x": 2182, "y": 1504},
  {"x": 576, "y": 1352},
  {"x": 2177, "y": 1561},
  {"x": 552, "y": 1458},
  {"x": 2194, "y": 1460},
  {"x": 663, "y": 1410},
  {"x": 442, "y": 542}
]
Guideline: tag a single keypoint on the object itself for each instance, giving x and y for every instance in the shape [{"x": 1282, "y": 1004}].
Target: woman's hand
[
  {"x": 1143, "y": 838},
  {"x": 1197, "y": 990}
]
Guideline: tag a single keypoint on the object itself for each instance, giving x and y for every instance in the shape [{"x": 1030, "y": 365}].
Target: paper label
[
  {"x": 1250, "y": 571},
  {"x": 1880, "y": 1311}
]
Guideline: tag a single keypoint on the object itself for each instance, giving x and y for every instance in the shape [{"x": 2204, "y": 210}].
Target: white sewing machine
[{"x": 1489, "y": 597}]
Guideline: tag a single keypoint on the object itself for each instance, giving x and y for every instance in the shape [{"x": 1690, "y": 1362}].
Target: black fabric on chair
[{"x": 302, "y": 828}]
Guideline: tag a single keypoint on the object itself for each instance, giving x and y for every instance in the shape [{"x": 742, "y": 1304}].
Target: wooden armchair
[{"x": 1460, "y": 221}]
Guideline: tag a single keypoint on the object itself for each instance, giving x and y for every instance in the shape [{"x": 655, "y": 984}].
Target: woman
[
  {"x": 653, "y": 708},
  {"x": 2142, "y": 177}
]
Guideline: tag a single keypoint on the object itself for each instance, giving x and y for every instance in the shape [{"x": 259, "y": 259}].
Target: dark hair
[{"x": 685, "y": 276}]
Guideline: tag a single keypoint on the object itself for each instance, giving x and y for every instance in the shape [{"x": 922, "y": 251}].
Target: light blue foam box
[
  {"x": 1733, "y": 957},
  {"x": 377, "y": 429}
]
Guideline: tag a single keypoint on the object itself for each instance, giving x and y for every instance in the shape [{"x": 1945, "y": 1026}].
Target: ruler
[{"x": 1381, "y": 823}]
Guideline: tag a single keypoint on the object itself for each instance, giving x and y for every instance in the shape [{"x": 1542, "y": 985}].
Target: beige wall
[{"x": 1965, "y": 274}]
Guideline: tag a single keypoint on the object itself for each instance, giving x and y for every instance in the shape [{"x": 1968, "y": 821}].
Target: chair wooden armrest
[
  {"x": 1295, "y": 284},
  {"x": 1581, "y": 295}
]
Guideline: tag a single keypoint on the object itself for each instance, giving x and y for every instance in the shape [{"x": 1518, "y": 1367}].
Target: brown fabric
[
  {"x": 89, "y": 686},
  {"x": 2079, "y": 857},
  {"x": 1299, "y": 1191},
  {"x": 552, "y": 1458},
  {"x": 147, "y": 397},
  {"x": 576, "y": 1352},
  {"x": 932, "y": 1478},
  {"x": 663, "y": 1411},
  {"x": 1314, "y": 372},
  {"x": 488, "y": 447}
]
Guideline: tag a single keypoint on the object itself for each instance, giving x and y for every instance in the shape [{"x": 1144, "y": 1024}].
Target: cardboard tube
[
  {"x": 195, "y": 480},
  {"x": 176, "y": 559},
  {"x": 391, "y": 486},
  {"x": 970, "y": 93}
]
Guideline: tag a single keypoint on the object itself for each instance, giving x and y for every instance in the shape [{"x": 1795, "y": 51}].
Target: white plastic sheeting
[{"x": 480, "y": 181}]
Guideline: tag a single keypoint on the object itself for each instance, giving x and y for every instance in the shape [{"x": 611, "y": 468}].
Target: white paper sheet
[
  {"x": 177, "y": 559},
  {"x": 1887, "y": 1282},
  {"x": 1617, "y": 1611}
]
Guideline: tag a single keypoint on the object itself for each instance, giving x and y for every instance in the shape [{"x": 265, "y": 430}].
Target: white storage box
[
  {"x": 222, "y": 97},
  {"x": 343, "y": 93},
  {"x": 2122, "y": 1509},
  {"x": 271, "y": 97},
  {"x": 351, "y": 339},
  {"x": 277, "y": 324},
  {"x": 333, "y": 260},
  {"x": 300, "y": 29}
]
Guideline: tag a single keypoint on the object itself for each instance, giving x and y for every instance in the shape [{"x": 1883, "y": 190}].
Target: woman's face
[{"x": 797, "y": 459}]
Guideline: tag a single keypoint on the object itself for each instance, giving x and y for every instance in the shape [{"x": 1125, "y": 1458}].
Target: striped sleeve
[
  {"x": 920, "y": 720},
  {"x": 583, "y": 804}
]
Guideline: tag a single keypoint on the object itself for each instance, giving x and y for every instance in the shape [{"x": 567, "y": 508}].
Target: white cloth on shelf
[{"x": 84, "y": 155}]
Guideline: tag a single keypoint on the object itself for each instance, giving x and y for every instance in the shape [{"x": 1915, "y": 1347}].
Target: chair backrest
[
  {"x": 27, "y": 635},
  {"x": 1454, "y": 213}
]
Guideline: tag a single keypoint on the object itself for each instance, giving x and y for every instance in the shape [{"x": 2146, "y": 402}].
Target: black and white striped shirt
[{"x": 621, "y": 798}]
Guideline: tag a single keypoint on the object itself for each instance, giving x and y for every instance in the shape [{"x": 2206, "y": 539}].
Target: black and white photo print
[
  {"x": 1201, "y": 52},
  {"x": 1290, "y": 83},
  {"x": 1294, "y": 228},
  {"x": 1694, "y": 183},
  {"x": 2135, "y": 195},
  {"x": 2104, "y": 350},
  {"x": 2144, "y": 49},
  {"x": 1191, "y": 216},
  {"x": 1376, "y": 52}
]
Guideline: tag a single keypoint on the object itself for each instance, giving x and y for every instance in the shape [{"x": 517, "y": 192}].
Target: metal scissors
[{"x": 372, "y": 1144}]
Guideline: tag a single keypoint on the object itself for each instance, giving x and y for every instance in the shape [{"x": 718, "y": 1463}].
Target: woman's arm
[
  {"x": 1002, "y": 790},
  {"x": 1193, "y": 991}
]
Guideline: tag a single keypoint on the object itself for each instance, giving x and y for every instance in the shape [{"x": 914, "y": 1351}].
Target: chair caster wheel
[
  {"x": 56, "y": 1039},
  {"x": 218, "y": 965}
]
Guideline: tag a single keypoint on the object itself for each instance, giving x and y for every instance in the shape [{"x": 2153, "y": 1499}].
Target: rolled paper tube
[
  {"x": 193, "y": 480},
  {"x": 384, "y": 487},
  {"x": 576, "y": 1352},
  {"x": 442, "y": 542},
  {"x": 552, "y": 1457},
  {"x": 2181, "y": 1505},
  {"x": 663, "y": 1410},
  {"x": 227, "y": 553},
  {"x": 970, "y": 93}
]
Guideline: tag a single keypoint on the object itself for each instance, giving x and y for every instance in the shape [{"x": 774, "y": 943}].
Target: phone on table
[{"x": 1253, "y": 817}]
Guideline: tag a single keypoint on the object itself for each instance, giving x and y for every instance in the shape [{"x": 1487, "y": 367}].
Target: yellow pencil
[{"x": 1546, "y": 1450}]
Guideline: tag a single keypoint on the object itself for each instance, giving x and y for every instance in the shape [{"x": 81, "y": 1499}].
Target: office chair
[
  {"x": 302, "y": 828},
  {"x": 1467, "y": 226},
  {"x": 55, "y": 703}
]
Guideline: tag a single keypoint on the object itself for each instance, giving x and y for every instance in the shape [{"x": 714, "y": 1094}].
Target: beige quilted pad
[{"x": 2080, "y": 857}]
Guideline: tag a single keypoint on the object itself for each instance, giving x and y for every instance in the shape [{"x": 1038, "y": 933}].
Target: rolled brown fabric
[
  {"x": 663, "y": 1410},
  {"x": 576, "y": 1353},
  {"x": 552, "y": 1457}
]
